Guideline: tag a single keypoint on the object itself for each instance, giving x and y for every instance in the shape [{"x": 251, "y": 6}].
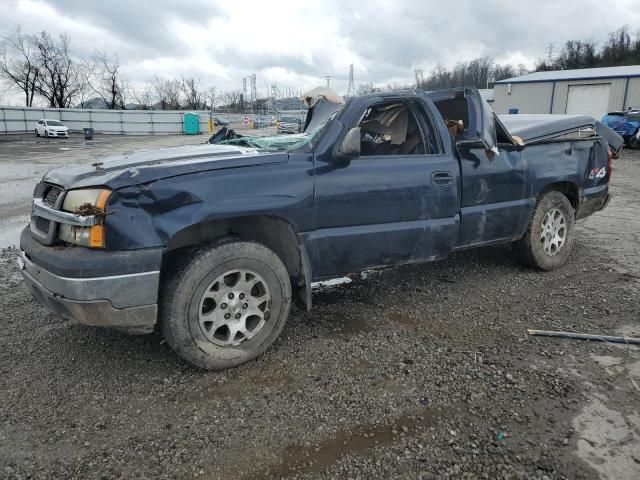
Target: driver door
[{"x": 396, "y": 203}]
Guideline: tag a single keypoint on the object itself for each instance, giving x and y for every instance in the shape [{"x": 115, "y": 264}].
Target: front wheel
[
  {"x": 547, "y": 243},
  {"x": 37, "y": 134},
  {"x": 226, "y": 304}
]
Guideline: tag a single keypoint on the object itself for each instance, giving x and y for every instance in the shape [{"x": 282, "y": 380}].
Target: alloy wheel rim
[
  {"x": 553, "y": 232},
  {"x": 234, "y": 307}
]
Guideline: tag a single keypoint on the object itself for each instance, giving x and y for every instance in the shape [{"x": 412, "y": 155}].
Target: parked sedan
[
  {"x": 289, "y": 125},
  {"x": 51, "y": 128},
  {"x": 221, "y": 122}
]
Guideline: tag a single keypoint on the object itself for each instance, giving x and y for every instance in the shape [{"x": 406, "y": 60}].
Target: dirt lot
[{"x": 416, "y": 372}]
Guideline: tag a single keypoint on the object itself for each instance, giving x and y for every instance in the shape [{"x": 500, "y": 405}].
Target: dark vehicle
[
  {"x": 260, "y": 122},
  {"x": 218, "y": 121},
  {"x": 211, "y": 243},
  {"x": 289, "y": 125},
  {"x": 626, "y": 124}
]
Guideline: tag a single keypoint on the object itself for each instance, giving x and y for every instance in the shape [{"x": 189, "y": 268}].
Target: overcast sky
[{"x": 295, "y": 43}]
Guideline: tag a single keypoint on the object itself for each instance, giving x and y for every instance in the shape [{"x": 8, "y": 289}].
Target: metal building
[{"x": 588, "y": 91}]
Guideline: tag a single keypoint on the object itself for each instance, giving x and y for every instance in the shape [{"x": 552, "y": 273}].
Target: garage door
[{"x": 588, "y": 100}]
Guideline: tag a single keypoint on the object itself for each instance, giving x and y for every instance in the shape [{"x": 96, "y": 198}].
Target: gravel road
[{"x": 422, "y": 371}]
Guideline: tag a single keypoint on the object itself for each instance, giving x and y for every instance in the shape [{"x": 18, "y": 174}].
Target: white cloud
[{"x": 295, "y": 43}]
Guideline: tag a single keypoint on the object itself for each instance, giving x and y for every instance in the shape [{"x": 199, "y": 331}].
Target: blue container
[{"x": 191, "y": 124}]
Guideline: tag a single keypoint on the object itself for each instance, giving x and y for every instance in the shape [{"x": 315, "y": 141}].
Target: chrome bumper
[{"x": 127, "y": 302}]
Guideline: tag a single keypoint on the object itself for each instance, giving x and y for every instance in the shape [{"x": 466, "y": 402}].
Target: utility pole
[
  {"x": 274, "y": 96},
  {"x": 254, "y": 92},
  {"x": 328, "y": 78},
  {"x": 419, "y": 77},
  {"x": 351, "y": 90}
]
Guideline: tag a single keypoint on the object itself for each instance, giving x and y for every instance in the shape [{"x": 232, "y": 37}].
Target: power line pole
[
  {"x": 549, "y": 51},
  {"x": 351, "y": 90},
  {"x": 328, "y": 78},
  {"x": 419, "y": 77},
  {"x": 275, "y": 93},
  {"x": 254, "y": 92}
]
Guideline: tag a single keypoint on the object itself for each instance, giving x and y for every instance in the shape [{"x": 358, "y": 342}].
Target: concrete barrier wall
[{"x": 16, "y": 120}]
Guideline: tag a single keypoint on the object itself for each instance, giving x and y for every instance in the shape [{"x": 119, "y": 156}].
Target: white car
[{"x": 51, "y": 128}]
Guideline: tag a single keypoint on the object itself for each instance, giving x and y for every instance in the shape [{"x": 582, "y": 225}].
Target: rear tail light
[{"x": 610, "y": 154}]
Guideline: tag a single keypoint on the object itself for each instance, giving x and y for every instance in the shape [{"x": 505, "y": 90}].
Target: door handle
[{"x": 441, "y": 178}]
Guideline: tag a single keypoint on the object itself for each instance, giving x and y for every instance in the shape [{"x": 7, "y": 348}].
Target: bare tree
[
  {"x": 502, "y": 72},
  {"x": 368, "y": 87},
  {"x": 19, "y": 64},
  {"x": 106, "y": 80},
  {"x": 84, "y": 91},
  {"x": 231, "y": 99},
  {"x": 61, "y": 78},
  {"x": 144, "y": 97},
  {"x": 194, "y": 96},
  {"x": 211, "y": 95},
  {"x": 168, "y": 93}
]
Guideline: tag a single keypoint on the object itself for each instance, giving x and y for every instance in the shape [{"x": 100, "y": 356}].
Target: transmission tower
[
  {"x": 549, "y": 51},
  {"x": 419, "y": 77},
  {"x": 351, "y": 90},
  {"x": 328, "y": 78},
  {"x": 254, "y": 92},
  {"x": 275, "y": 93}
]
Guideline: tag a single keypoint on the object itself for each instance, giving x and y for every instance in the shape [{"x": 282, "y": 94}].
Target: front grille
[
  {"x": 43, "y": 229},
  {"x": 48, "y": 193},
  {"x": 42, "y": 224}
]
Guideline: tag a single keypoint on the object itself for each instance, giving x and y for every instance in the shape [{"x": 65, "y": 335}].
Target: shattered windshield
[
  {"x": 274, "y": 142},
  {"x": 280, "y": 142}
]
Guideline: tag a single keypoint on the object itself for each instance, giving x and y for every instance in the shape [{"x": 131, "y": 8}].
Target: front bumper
[
  {"x": 126, "y": 301},
  {"x": 77, "y": 299}
]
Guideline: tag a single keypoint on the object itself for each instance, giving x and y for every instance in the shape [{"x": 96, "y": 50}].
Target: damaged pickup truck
[{"x": 211, "y": 243}]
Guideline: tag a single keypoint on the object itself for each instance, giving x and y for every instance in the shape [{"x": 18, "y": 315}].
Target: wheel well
[
  {"x": 275, "y": 233},
  {"x": 568, "y": 189}
]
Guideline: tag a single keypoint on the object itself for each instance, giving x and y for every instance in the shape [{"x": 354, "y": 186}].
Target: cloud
[{"x": 295, "y": 43}]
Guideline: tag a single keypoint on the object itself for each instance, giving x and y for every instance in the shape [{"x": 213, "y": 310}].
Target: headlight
[
  {"x": 85, "y": 202},
  {"x": 96, "y": 197}
]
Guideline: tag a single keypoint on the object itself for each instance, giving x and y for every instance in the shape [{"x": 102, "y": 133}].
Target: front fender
[{"x": 146, "y": 216}]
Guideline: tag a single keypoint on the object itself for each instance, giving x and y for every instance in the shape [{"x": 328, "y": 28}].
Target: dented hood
[{"x": 146, "y": 166}]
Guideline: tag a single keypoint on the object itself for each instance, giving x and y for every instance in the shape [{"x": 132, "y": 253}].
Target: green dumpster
[{"x": 191, "y": 123}]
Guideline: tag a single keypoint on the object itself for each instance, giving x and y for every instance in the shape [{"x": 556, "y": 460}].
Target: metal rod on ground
[{"x": 584, "y": 336}]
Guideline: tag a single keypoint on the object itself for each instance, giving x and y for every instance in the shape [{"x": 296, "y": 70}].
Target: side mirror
[{"x": 349, "y": 148}]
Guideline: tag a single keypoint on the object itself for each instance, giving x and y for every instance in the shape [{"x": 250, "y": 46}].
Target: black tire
[
  {"x": 185, "y": 286},
  {"x": 37, "y": 134},
  {"x": 530, "y": 248},
  {"x": 46, "y": 134}
]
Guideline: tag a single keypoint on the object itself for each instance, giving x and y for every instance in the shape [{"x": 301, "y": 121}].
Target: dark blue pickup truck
[{"x": 211, "y": 243}]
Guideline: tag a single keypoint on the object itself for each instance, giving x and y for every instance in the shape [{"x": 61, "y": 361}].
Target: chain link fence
[{"x": 21, "y": 120}]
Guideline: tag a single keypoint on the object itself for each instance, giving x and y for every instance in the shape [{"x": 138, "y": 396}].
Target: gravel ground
[{"x": 422, "y": 371}]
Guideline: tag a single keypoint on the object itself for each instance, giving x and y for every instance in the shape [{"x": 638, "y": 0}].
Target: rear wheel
[
  {"x": 547, "y": 243},
  {"x": 226, "y": 304}
]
